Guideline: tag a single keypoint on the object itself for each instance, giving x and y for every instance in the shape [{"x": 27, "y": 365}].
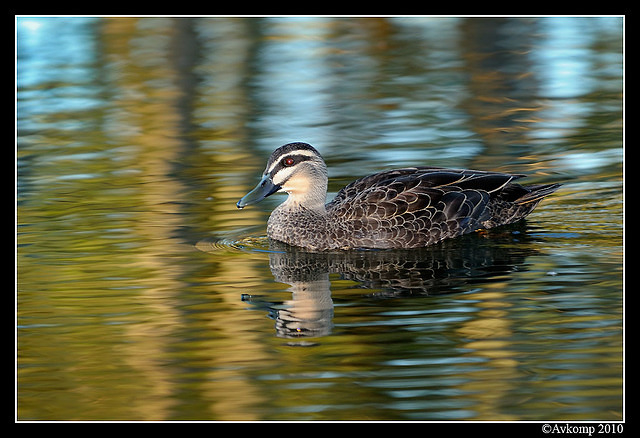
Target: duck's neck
[
  {"x": 294, "y": 204},
  {"x": 306, "y": 192}
]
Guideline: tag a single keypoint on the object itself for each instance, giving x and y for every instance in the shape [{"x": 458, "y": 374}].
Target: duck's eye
[{"x": 288, "y": 161}]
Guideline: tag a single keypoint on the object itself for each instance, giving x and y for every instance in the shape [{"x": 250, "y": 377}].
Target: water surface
[{"x": 144, "y": 294}]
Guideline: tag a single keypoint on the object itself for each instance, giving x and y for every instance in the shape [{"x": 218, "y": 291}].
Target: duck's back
[{"x": 419, "y": 206}]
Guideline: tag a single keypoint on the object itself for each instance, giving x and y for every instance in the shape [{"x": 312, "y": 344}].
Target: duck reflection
[{"x": 443, "y": 268}]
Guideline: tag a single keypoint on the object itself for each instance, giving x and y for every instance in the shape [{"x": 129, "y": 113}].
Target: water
[{"x": 144, "y": 294}]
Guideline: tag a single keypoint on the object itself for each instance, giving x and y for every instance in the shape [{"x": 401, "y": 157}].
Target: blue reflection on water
[
  {"x": 293, "y": 82},
  {"x": 566, "y": 57},
  {"x": 55, "y": 71},
  {"x": 55, "y": 49}
]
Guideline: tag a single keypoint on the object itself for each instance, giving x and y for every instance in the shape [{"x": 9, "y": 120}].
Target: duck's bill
[{"x": 264, "y": 188}]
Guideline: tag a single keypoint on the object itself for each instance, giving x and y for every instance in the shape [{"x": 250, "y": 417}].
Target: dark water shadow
[{"x": 449, "y": 267}]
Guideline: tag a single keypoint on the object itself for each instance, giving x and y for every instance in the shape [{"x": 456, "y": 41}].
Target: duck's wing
[
  {"x": 419, "y": 206},
  {"x": 416, "y": 206},
  {"x": 414, "y": 180}
]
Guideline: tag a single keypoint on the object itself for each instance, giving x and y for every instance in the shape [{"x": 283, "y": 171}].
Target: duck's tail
[
  {"x": 536, "y": 193},
  {"x": 515, "y": 202}
]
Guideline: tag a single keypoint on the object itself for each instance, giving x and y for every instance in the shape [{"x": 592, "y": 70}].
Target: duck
[{"x": 404, "y": 208}]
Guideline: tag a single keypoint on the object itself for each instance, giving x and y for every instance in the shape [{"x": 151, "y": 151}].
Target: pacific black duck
[{"x": 402, "y": 208}]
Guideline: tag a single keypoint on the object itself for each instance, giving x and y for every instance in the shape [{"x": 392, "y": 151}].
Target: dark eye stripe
[{"x": 297, "y": 159}]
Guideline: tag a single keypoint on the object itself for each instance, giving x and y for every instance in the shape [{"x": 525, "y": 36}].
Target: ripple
[{"x": 234, "y": 243}]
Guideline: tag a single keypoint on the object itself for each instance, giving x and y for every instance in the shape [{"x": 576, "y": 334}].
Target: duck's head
[{"x": 297, "y": 169}]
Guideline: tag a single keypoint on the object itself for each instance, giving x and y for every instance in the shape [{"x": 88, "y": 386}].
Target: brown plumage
[{"x": 402, "y": 208}]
